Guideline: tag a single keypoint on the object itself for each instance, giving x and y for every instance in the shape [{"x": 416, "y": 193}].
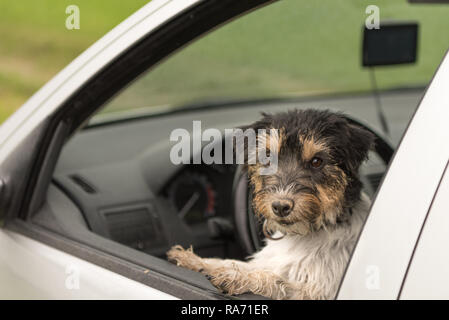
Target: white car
[{"x": 90, "y": 204}]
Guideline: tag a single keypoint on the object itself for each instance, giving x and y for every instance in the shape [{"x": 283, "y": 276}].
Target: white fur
[
  {"x": 316, "y": 261},
  {"x": 295, "y": 267}
]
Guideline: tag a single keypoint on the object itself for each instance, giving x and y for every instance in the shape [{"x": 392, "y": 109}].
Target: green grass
[
  {"x": 288, "y": 48},
  {"x": 35, "y": 44}
]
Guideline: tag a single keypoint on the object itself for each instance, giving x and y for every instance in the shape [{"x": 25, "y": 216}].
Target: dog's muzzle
[{"x": 282, "y": 207}]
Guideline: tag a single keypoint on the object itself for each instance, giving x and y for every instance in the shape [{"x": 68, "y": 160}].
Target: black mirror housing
[{"x": 393, "y": 43}]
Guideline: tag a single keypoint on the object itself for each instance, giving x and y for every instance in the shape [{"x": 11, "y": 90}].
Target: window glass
[{"x": 289, "y": 49}]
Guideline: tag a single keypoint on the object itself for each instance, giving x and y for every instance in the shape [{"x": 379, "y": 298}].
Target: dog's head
[{"x": 316, "y": 181}]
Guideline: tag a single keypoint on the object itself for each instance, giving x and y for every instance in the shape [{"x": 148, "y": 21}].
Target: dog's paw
[
  {"x": 185, "y": 258},
  {"x": 234, "y": 281},
  {"x": 228, "y": 281}
]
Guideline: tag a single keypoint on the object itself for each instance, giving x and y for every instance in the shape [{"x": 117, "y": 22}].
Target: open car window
[
  {"x": 290, "y": 49},
  {"x": 116, "y": 185}
]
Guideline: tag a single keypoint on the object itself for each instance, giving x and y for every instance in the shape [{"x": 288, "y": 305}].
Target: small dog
[{"x": 313, "y": 206}]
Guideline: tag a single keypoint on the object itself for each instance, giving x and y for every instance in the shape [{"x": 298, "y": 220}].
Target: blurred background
[
  {"x": 285, "y": 59},
  {"x": 35, "y": 43}
]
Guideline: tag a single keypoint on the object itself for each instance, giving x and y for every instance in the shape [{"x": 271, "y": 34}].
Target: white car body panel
[
  {"x": 32, "y": 270},
  {"x": 431, "y": 253},
  {"x": 387, "y": 241}
]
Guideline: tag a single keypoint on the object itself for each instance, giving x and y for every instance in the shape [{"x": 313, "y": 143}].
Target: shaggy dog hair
[{"x": 313, "y": 208}]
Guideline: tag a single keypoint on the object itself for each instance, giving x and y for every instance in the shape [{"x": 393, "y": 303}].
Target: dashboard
[
  {"x": 194, "y": 207},
  {"x": 199, "y": 193}
]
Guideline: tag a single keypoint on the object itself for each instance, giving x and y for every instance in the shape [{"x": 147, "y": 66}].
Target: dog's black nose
[{"x": 282, "y": 208}]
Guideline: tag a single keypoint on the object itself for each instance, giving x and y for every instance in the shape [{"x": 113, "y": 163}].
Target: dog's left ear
[{"x": 360, "y": 142}]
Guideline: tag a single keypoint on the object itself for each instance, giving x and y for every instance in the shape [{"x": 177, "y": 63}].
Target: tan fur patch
[
  {"x": 262, "y": 205},
  {"x": 269, "y": 140},
  {"x": 278, "y": 138},
  {"x": 255, "y": 179},
  {"x": 310, "y": 147},
  {"x": 332, "y": 196}
]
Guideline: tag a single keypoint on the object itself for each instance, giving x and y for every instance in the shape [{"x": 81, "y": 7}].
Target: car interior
[{"x": 114, "y": 187}]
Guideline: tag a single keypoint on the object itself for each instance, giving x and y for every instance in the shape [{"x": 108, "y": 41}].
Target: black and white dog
[{"x": 312, "y": 205}]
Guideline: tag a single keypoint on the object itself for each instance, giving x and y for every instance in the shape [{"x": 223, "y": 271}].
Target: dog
[{"x": 313, "y": 207}]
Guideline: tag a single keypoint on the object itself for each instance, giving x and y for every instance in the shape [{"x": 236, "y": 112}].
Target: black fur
[{"x": 349, "y": 145}]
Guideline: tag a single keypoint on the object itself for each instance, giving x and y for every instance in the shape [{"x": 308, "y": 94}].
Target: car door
[
  {"x": 30, "y": 142},
  {"x": 387, "y": 242},
  {"x": 30, "y": 269},
  {"x": 31, "y": 139},
  {"x": 428, "y": 273}
]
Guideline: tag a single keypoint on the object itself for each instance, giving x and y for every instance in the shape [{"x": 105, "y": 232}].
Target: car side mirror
[{"x": 393, "y": 43}]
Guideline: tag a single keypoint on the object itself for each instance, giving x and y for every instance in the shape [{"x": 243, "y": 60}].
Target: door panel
[
  {"x": 32, "y": 270},
  {"x": 428, "y": 274}
]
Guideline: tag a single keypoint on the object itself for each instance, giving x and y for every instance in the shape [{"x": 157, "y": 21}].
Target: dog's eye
[{"x": 316, "y": 162}]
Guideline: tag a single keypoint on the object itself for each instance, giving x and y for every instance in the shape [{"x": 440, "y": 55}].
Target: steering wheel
[{"x": 249, "y": 229}]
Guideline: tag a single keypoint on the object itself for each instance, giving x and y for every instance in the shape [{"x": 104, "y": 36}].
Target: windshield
[{"x": 296, "y": 48}]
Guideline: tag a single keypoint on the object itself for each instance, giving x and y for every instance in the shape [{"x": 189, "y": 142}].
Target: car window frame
[{"x": 440, "y": 200}]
